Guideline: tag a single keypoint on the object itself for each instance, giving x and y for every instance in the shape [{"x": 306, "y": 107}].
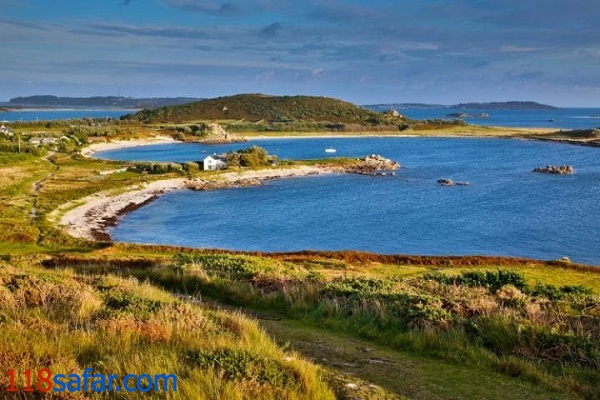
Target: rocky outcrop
[
  {"x": 466, "y": 115},
  {"x": 556, "y": 169},
  {"x": 216, "y": 134},
  {"x": 445, "y": 182},
  {"x": 394, "y": 114},
  {"x": 202, "y": 185},
  {"x": 374, "y": 164},
  {"x": 450, "y": 182}
]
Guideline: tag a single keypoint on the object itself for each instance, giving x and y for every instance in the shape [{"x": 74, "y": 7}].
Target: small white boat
[{"x": 330, "y": 150}]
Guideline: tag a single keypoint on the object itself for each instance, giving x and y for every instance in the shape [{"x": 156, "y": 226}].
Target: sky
[{"x": 363, "y": 51}]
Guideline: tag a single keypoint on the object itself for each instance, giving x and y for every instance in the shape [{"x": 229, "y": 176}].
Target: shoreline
[
  {"x": 91, "y": 217},
  {"x": 94, "y": 148}
]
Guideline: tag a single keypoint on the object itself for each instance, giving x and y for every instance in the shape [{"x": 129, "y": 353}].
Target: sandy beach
[
  {"x": 92, "y": 216},
  {"x": 92, "y": 149}
]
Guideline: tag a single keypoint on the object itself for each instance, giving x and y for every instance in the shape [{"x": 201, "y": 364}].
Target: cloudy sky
[{"x": 364, "y": 51}]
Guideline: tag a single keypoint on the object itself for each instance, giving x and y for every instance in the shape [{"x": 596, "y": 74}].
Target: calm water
[
  {"x": 507, "y": 210},
  {"x": 564, "y": 118},
  {"x": 52, "y": 115}
]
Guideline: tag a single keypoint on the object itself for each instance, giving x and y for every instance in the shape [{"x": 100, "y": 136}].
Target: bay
[{"x": 507, "y": 209}]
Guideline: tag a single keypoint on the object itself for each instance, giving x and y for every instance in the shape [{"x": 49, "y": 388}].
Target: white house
[
  {"x": 36, "y": 141},
  {"x": 6, "y": 130},
  {"x": 214, "y": 162}
]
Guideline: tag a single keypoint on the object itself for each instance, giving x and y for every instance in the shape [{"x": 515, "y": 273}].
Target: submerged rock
[
  {"x": 554, "y": 169},
  {"x": 450, "y": 182},
  {"x": 445, "y": 182}
]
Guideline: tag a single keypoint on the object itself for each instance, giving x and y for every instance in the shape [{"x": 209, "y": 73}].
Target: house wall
[{"x": 210, "y": 164}]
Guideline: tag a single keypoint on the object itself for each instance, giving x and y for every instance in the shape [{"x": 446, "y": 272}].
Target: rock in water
[
  {"x": 445, "y": 182},
  {"x": 450, "y": 182},
  {"x": 374, "y": 164},
  {"x": 554, "y": 169}
]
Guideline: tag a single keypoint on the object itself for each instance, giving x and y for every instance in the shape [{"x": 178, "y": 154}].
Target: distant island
[
  {"x": 506, "y": 105},
  {"x": 496, "y": 105},
  {"x": 48, "y": 101}
]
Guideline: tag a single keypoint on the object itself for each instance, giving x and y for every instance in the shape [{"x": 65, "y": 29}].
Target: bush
[
  {"x": 491, "y": 280},
  {"x": 157, "y": 168},
  {"x": 254, "y": 156},
  {"x": 190, "y": 166},
  {"x": 243, "y": 365}
]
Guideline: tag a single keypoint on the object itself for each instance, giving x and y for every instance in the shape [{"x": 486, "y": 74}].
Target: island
[
  {"x": 504, "y": 105},
  {"x": 50, "y": 101},
  {"x": 495, "y": 105}
]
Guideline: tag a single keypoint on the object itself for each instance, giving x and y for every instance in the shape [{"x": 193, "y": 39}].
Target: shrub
[
  {"x": 190, "y": 166},
  {"x": 254, "y": 156},
  {"x": 237, "y": 364}
]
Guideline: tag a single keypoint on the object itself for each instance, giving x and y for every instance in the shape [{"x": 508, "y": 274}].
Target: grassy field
[{"x": 268, "y": 326}]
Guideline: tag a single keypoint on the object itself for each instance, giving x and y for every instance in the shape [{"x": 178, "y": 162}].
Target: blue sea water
[
  {"x": 507, "y": 209},
  {"x": 562, "y": 118},
  {"x": 52, "y": 115}
]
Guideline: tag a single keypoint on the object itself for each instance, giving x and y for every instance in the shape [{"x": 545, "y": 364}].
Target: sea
[
  {"x": 505, "y": 210},
  {"x": 24, "y": 115}
]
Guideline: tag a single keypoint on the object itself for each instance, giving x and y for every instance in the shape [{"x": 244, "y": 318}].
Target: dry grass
[{"x": 68, "y": 322}]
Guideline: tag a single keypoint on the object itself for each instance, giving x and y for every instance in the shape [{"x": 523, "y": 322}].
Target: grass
[
  {"x": 395, "y": 372},
  {"x": 497, "y": 324},
  {"x": 67, "y": 322}
]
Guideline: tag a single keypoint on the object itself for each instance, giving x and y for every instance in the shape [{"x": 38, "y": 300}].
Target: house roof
[{"x": 216, "y": 158}]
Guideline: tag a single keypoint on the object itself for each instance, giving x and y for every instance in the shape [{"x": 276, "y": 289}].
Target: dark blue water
[
  {"x": 52, "y": 115},
  {"x": 507, "y": 210},
  {"x": 563, "y": 118}
]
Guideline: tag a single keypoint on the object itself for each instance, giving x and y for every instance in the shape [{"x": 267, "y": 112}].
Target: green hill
[{"x": 259, "y": 107}]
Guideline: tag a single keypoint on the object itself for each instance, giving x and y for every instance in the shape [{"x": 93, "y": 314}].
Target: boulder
[
  {"x": 555, "y": 169},
  {"x": 450, "y": 182},
  {"x": 374, "y": 164}
]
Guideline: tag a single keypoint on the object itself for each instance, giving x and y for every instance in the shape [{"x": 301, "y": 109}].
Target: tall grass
[
  {"x": 68, "y": 322},
  {"x": 474, "y": 319}
]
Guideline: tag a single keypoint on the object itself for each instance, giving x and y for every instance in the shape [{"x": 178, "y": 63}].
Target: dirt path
[
  {"x": 360, "y": 369},
  {"x": 366, "y": 366},
  {"x": 37, "y": 185}
]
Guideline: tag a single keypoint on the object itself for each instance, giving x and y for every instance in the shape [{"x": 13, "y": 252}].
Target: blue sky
[{"x": 375, "y": 51}]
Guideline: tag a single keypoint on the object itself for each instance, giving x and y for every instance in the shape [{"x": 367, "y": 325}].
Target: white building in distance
[{"x": 214, "y": 162}]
